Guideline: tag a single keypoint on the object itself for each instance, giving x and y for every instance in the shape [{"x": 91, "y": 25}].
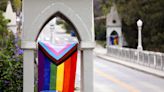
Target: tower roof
[
  {"x": 9, "y": 14},
  {"x": 113, "y": 18}
]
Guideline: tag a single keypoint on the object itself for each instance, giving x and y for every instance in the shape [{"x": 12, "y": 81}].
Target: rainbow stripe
[
  {"x": 114, "y": 40},
  {"x": 56, "y": 67}
]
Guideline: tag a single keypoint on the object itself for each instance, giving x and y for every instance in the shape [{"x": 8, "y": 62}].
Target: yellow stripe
[
  {"x": 115, "y": 42},
  {"x": 60, "y": 77},
  {"x": 113, "y": 79}
]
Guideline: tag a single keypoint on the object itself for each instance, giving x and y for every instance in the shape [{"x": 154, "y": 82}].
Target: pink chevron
[{"x": 54, "y": 50}]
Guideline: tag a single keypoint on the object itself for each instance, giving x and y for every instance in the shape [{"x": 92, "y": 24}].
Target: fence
[{"x": 146, "y": 58}]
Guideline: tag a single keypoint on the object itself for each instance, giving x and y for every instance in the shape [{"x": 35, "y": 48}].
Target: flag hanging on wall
[
  {"x": 56, "y": 67},
  {"x": 113, "y": 40}
]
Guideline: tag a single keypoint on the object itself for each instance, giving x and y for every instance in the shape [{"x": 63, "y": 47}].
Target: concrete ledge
[
  {"x": 28, "y": 45},
  {"x": 133, "y": 65},
  {"x": 87, "y": 45}
]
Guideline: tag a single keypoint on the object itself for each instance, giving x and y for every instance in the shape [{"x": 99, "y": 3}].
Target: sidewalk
[{"x": 102, "y": 53}]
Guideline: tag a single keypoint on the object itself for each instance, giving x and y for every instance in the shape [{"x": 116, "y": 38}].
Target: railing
[{"x": 146, "y": 58}]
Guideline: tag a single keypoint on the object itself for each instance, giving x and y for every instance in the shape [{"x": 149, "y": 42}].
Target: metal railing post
[
  {"x": 145, "y": 58},
  {"x": 155, "y": 63}
]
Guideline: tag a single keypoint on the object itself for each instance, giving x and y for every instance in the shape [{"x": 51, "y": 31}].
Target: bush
[{"x": 11, "y": 67}]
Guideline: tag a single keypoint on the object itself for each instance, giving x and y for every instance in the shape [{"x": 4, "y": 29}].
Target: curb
[{"x": 145, "y": 69}]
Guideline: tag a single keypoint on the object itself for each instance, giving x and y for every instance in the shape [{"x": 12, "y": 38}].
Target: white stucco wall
[{"x": 77, "y": 10}]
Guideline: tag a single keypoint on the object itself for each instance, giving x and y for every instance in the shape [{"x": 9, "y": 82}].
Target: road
[{"x": 111, "y": 77}]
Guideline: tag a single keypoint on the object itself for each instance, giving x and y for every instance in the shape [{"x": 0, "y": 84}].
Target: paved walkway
[{"x": 102, "y": 53}]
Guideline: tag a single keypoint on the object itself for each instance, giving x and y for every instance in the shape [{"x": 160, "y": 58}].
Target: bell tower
[{"x": 114, "y": 28}]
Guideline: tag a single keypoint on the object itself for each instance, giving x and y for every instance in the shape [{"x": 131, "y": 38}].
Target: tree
[
  {"x": 102, "y": 8},
  {"x": 105, "y": 6},
  {"x": 17, "y": 5},
  {"x": 3, "y": 29},
  {"x": 3, "y": 5},
  {"x": 152, "y": 14},
  {"x": 100, "y": 30}
]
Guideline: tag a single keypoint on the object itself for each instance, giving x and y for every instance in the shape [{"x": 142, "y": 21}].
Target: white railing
[{"x": 146, "y": 58}]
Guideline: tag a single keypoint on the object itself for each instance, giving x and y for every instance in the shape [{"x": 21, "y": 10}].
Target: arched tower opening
[
  {"x": 63, "y": 20},
  {"x": 114, "y": 38}
]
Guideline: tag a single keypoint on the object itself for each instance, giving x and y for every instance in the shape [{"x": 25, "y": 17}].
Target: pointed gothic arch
[
  {"x": 67, "y": 13},
  {"x": 114, "y": 38},
  {"x": 62, "y": 16}
]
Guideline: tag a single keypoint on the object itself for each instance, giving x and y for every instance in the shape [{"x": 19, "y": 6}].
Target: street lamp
[
  {"x": 139, "y": 24},
  {"x": 18, "y": 22},
  {"x": 52, "y": 27}
]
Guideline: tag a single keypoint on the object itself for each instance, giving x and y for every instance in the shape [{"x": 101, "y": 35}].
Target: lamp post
[
  {"x": 139, "y": 24},
  {"x": 52, "y": 27},
  {"x": 18, "y": 20}
]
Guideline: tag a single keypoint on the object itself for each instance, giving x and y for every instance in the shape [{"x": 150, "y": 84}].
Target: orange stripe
[
  {"x": 73, "y": 72},
  {"x": 67, "y": 70}
]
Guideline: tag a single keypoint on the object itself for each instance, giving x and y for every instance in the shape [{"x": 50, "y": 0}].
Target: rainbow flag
[
  {"x": 114, "y": 40},
  {"x": 56, "y": 67}
]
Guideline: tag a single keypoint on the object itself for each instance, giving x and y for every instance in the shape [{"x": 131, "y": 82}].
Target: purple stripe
[
  {"x": 47, "y": 71},
  {"x": 41, "y": 59}
]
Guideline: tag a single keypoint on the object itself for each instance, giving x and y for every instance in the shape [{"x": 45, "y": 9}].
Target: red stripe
[
  {"x": 73, "y": 72},
  {"x": 67, "y": 69}
]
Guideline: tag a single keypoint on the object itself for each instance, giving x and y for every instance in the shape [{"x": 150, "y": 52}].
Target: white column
[
  {"x": 28, "y": 71},
  {"x": 107, "y": 37},
  {"x": 120, "y": 40},
  {"x": 52, "y": 33},
  {"x": 139, "y": 24},
  {"x": 87, "y": 70},
  {"x": 139, "y": 39},
  {"x": 107, "y": 41}
]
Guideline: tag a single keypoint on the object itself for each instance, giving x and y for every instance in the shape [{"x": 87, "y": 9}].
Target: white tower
[
  {"x": 114, "y": 25},
  {"x": 37, "y": 13},
  {"x": 9, "y": 14}
]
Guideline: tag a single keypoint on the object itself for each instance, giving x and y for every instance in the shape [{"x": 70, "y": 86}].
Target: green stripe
[{"x": 53, "y": 77}]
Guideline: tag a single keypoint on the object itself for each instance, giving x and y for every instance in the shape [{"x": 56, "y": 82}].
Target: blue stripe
[
  {"x": 48, "y": 91},
  {"x": 47, "y": 74},
  {"x": 54, "y": 55}
]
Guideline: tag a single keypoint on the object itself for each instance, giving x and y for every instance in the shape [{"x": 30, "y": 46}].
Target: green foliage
[
  {"x": 152, "y": 14},
  {"x": 3, "y": 5},
  {"x": 11, "y": 70},
  {"x": 102, "y": 43},
  {"x": 131, "y": 34},
  {"x": 102, "y": 7},
  {"x": 3, "y": 23},
  {"x": 11, "y": 66},
  {"x": 105, "y": 6},
  {"x": 100, "y": 30},
  {"x": 3, "y": 29},
  {"x": 17, "y": 5},
  {"x": 66, "y": 25},
  {"x": 100, "y": 25}
]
